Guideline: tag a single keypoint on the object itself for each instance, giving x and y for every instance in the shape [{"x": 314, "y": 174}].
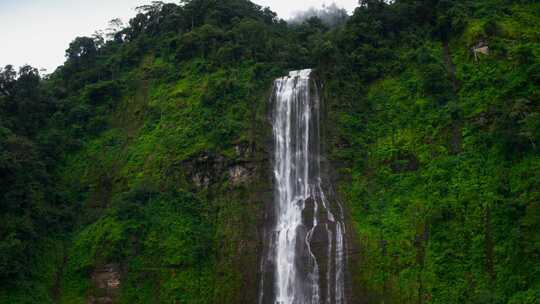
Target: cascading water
[{"x": 304, "y": 260}]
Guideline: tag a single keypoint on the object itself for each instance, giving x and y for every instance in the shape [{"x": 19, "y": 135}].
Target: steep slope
[
  {"x": 160, "y": 168},
  {"x": 139, "y": 170},
  {"x": 435, "y": 134},
  {"x": 172, "y": 189}
]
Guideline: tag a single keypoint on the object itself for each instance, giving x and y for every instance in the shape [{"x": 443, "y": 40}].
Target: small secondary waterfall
[{"x": 304, "y": 259}]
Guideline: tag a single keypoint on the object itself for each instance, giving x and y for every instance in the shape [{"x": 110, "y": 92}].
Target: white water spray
[{"x": 305, "y": 230}]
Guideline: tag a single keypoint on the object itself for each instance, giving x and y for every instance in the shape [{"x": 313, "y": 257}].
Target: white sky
[{"x": 37, "y": 32}]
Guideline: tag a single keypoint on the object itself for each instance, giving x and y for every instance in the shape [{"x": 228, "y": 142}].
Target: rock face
[
  {"x": 243, "y": 169},
  {"x": 238, "y": 175},
  {"x": 106, "y": 283},
  {"x": 481, "y": 47},
  {"x": 207, "y": 169},
  {"x": 200, "y": 180}
]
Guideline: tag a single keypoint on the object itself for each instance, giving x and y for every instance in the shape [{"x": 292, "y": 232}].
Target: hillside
[
  {"x": 139, "y": 171},
  {"x": 437, "y": 147}
]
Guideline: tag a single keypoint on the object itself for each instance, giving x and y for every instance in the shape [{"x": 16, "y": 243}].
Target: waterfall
[{"x": 304, "y": 260}]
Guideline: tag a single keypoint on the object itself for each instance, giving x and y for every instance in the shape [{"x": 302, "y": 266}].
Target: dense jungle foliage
[{"x": 145, "y": 153}]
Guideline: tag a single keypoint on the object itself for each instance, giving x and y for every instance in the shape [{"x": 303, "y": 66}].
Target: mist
[{"x": 331, "y": 15}]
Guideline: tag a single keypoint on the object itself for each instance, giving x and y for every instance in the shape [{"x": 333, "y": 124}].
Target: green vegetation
[
  {"x": 123, "y": 158},
  {"x": 439, "y": 150}
]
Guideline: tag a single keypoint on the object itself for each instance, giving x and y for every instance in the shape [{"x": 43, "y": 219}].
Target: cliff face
[
  {"x": 140, "y": 170},
  {"x": 175, "y": 189},
  {"x": 154, "y": 144},
  {"x": 431, "y": 163},
  {"x": 168, "y": 198}
]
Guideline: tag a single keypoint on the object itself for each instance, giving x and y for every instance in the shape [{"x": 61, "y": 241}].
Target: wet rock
[
  {"x": 205, "y": 169},
  {"x": 200, "y": 180},
  {"x": 238, "y": 175}
]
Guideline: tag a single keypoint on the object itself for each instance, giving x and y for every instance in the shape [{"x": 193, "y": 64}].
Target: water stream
[{"x": 304, "y": 260}]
